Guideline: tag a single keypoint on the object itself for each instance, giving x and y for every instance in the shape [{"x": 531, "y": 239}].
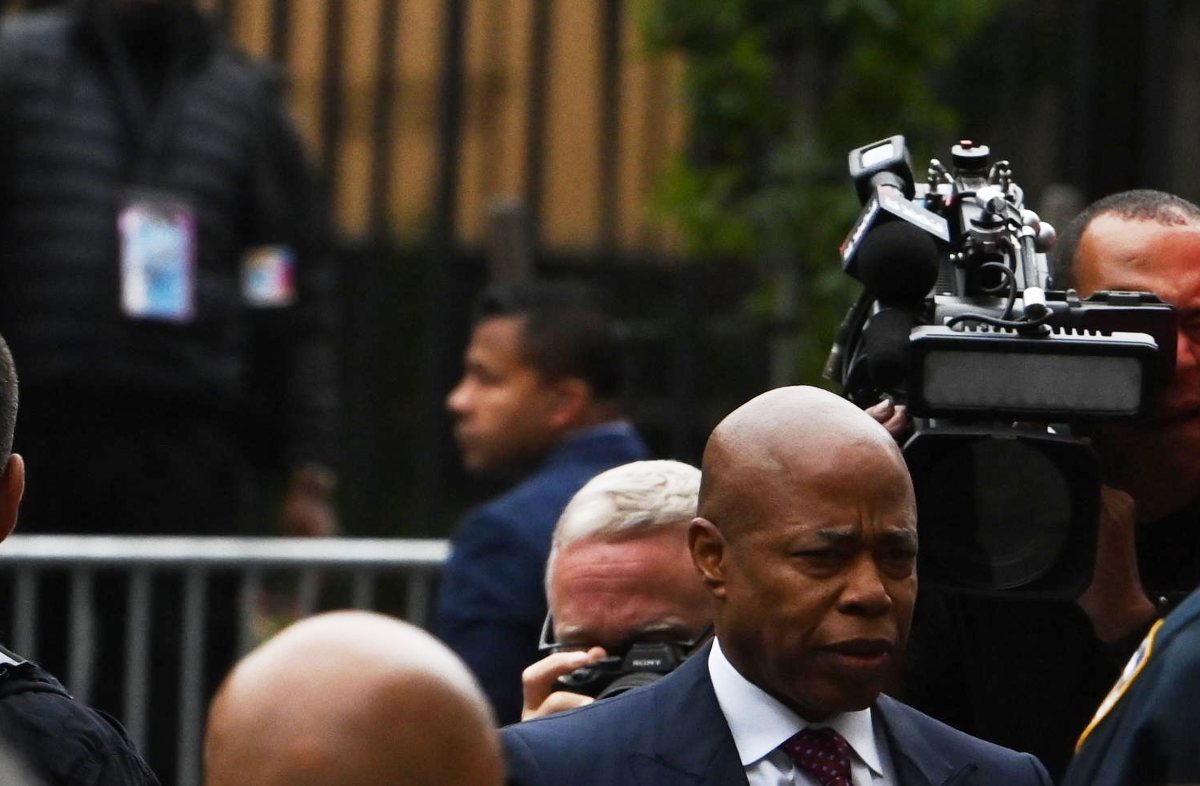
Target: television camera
[{"x": 958, "y": 319}]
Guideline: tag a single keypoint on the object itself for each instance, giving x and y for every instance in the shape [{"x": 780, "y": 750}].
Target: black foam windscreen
[
  {"x": 885, "y": 343},
  {"x": 898, "y": 262}
]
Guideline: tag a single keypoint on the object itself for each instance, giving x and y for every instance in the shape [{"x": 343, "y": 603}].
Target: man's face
[
  {"x": 1116, "y": 253},
  {"x": 504, "y": 410},
  {"x": 612, "y": 593},
  {"x": 817, "y": 580}
]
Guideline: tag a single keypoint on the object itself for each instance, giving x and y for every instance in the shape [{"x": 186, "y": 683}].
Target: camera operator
[
  {"x": 619, "y": 573},
  {"x": 1028, "y": 674}
]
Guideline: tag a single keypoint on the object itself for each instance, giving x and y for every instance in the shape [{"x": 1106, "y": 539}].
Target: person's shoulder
[
  {"x": 595, "y": 728},
  {"x": 259, "y": 77},
  {"x": 24, "y": 32},
  {"x": 916, "y": 733},
  {"x": 534, "y": 501},
  {"x": 60, "y": 736},
  {"x": 602, "y": 447},
  {"x": 42, "y": 23}
]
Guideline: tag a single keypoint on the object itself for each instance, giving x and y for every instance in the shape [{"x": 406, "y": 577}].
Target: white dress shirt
[{"x": 760, "y": 723}]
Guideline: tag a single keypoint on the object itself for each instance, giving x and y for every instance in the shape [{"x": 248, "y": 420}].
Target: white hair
[{"x": 642, "y": 497}]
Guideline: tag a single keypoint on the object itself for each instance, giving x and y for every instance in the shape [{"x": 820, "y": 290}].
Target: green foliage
[{"x": 778, "y": 92}]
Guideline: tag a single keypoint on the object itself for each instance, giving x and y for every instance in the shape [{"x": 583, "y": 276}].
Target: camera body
[
  {"x": 644, "y": 663},
  {"x": 959, "y": 320}
]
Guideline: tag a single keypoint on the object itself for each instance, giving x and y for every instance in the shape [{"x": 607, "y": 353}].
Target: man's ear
[
  {"x": 572, "y": 400},
  {"x": 12, "y": 488},
  {"x": 708, "y": 548}
]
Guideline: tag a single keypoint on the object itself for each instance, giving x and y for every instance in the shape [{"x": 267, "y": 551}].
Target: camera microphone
[
  {"x": 898, "y": 263},
  {"x": 886, "y": 347}
]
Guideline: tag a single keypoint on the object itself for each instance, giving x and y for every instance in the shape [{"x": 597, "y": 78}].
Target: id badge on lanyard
[{"x": 158, "y": 256}]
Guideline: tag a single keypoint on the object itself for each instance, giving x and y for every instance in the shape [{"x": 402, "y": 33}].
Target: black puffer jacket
[{"x": 71, "y": 148}]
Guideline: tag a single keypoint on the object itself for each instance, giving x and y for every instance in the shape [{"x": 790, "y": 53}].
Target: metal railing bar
[
  {"x": 416, "y": 605},
  {"x": 362, "y": 595},
  {"x": 25, "y": 602},
  {"x": 249, "y": 591},
  {"x": 307, "y": 588},
  {"x": 191, "y": 684},
  {"x": 83, "y": 641},
  {"x": 127, "y": 551},
  {"x": 138, "y": 634}
]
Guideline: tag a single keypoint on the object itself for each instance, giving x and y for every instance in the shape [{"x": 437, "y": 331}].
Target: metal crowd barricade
[{"x": 417, "y": 562}]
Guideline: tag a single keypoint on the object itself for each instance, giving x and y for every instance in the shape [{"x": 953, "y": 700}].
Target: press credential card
[
  {"x": 158, "y": 258},
  {"x": 269, "y": 276}
]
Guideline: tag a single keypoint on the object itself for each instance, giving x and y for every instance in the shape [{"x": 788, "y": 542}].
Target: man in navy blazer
[
  {"x": 539, "y": 402},
  {"x": 806, "y": 541}
]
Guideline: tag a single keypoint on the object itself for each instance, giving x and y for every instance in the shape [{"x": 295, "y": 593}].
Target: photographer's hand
[
  {"x": 538, "y": 683},
  {"x": 892, "y": 416},
  {"x": 1115, "y": 602}
]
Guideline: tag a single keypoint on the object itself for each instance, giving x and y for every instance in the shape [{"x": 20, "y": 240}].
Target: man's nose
[
  {"x": 865, "y": 592},
  {"x": 458, "y": 398}
]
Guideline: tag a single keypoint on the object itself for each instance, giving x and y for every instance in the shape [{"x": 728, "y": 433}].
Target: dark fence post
[
  {"x": 433, "y": 456},
  {"x": 331, "y": 96},
  {"x": 1156, "y": 88},
  {"x": 280, "y": 29},
  {"x": 540, "y": 40},
  {"x": 610, "y": 128}
]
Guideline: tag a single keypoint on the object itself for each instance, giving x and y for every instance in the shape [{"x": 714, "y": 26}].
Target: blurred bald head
[
  {"x": 354, "y": 699},
  {"x": 775, "y": 437}
]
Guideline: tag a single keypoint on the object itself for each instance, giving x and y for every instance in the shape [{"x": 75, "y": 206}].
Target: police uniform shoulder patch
[{"x": 1130, "y": 673}]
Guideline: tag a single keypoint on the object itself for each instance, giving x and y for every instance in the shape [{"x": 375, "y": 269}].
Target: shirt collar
[
  {"x": 760, "y": 723},
  {"x": 611, "y": 428}
]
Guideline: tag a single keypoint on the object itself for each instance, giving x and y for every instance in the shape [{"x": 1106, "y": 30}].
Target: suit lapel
[
  {"x": 916, "y": 761},
  {"x": 691, "y": 743}
]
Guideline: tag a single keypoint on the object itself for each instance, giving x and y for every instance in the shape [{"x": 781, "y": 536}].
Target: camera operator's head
[
  {"x": 1150, "y": 241},
  {"x": 619, "y": 580},
  {"x": 544, "y": 361},
  {"x": 807, "y": 539}
]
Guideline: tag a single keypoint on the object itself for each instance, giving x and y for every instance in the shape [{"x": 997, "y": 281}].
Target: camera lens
[{"x": 628, "y": 682}]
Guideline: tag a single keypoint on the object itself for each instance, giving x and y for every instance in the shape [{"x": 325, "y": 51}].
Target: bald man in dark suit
[{"x": 806, "y": 539}]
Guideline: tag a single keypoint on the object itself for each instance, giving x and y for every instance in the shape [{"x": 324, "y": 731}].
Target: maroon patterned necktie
[{"x": 822, "y": 753}]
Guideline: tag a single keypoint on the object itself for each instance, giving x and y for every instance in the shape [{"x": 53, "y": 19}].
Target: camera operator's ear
[
  {"x": 12, "y": 488},
  {"x": 707, "y": 545}
]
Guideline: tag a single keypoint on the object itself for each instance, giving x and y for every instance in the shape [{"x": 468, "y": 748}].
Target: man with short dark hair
[
  {"x": 807, "y": 543},
  {"x": 539, "y": 401},
  {"x": 63, "y": 742},
  {"x": 973, "y": 655}
]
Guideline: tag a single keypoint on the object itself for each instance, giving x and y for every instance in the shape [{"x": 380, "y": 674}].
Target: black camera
[
  {"x": 643, "y": 663},
  {"x": 611, "y": 676},
  {"x": 959, "y": 320}
]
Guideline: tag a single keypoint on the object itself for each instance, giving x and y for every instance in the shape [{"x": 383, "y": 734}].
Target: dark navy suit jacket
[
  {"x": 492, "y": 601},
  {"x": 673, "y": 733}
]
